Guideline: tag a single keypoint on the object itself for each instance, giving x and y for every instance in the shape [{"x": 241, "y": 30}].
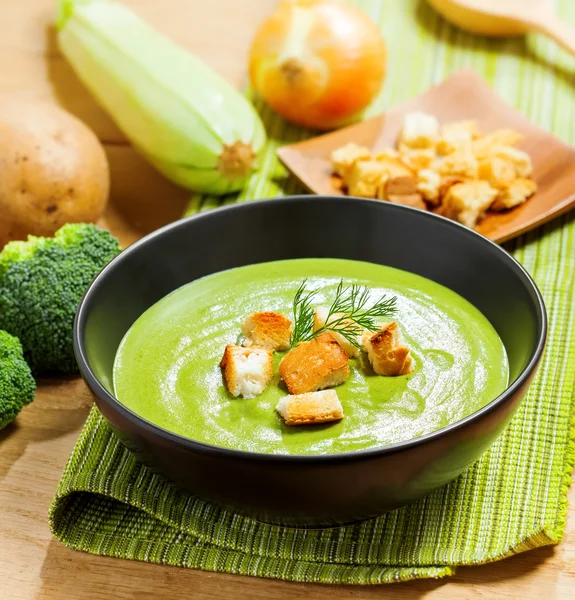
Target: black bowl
[{"x": 312, "y": 490}]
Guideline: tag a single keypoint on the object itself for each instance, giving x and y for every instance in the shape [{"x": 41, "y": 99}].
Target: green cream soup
[{"x": 167, "y": 366}]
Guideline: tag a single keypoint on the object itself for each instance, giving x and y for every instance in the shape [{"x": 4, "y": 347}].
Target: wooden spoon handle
[{"x": 551, "y": 25}]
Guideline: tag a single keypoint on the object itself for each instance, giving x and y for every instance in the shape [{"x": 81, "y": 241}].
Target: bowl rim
[{"x": 107, "y": 398}]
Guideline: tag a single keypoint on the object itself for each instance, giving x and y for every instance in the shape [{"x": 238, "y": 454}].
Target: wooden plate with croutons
[{"x": 458, "y": 150}]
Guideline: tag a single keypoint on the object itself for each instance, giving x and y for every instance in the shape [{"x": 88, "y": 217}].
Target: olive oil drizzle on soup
[{"x": 167, "y": 366}]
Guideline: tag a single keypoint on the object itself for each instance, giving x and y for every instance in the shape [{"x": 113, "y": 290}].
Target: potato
[{"x": 53, "y": 170}]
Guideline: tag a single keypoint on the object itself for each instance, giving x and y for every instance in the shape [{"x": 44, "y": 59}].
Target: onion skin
[{"x": 318, "y": 63}]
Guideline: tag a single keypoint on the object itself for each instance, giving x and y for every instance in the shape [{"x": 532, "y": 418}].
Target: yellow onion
[{"x": 318, "y": 63}]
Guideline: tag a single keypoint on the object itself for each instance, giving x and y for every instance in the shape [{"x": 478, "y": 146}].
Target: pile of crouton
[
  {"x": 310, "y": 367},
  {"x": 452, "y": 169}
]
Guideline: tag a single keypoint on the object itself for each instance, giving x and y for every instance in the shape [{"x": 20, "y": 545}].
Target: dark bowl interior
[{"x": 308, "y": 490}]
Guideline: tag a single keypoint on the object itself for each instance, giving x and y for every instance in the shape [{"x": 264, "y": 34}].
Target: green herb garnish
[{"x": 348, "y": 315}]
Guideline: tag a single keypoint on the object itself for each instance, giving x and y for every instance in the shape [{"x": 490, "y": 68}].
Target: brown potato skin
[{"x": 53, "y": 170}]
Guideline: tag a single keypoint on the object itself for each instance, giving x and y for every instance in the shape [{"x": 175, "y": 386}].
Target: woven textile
[{"x": 107, "y": 503}]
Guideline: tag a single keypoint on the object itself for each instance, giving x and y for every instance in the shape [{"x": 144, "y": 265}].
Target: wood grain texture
[{"x": 33, "y": 450}]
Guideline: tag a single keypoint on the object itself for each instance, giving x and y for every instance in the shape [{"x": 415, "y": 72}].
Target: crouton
[
  {"x": 485, "y": 145},
  {"x": 414, "y": 200},
  {"x": 270, "y": 330},
  {"x": 387, "y": 153},
  {"x": 401, "y": 186},
  {"x": 417, "y": 159},
  {"x": 514, "y": 194},
  {"x": 396, "y": 186},
  {"x": 342, "y": 159},
  {"x": 398, "y": 180},
  {"x": 310, "y": 408},
  {"x": 460, "y": 163},
  {"x": 452, "y": 135},
  {"x": 430, "y": 159},
  {"x": 498, "y": 172},
  {"x": 314, "y": 365},
  {"x": 319, "y": 319},
  {"x": 427, "y": 184},
  {"x": 367, "y": 177},
  {"x": 364, "y": 178},
  {"x": 419, "y": 130},
  {"x": 520, "y": 159},
  {"x": 467, "y": 202},
  {"x": 447, "y": 182},
  {"x": 247, "y": 371},
  {"x": 387, "y": 353},
  {"x": 401, "y": 190},
  {"x": 395, "y": 168}
]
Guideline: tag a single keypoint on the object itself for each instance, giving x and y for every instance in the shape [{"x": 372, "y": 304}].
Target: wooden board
[
  {"x": 33, "y": 451},
  {"x": 463, "y": 96}
]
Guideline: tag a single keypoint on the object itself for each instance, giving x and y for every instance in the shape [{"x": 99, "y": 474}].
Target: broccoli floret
[
  {"x": 42, "y": 282},
  {"x": 17, "y": 386}
]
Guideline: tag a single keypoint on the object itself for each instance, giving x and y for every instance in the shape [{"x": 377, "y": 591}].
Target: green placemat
[{"x": 513, "y": 499}]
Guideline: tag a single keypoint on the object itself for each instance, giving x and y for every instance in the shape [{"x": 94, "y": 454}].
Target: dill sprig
[
  {"x": 303, "y": 313},
  {"x": 348, "y": 315}
]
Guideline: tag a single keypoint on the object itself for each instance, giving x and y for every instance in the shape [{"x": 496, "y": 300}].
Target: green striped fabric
[{"x": 513, "y": 499}]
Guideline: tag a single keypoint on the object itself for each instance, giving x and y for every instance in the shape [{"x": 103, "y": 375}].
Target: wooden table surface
[{"x": 33, "y": 450}]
